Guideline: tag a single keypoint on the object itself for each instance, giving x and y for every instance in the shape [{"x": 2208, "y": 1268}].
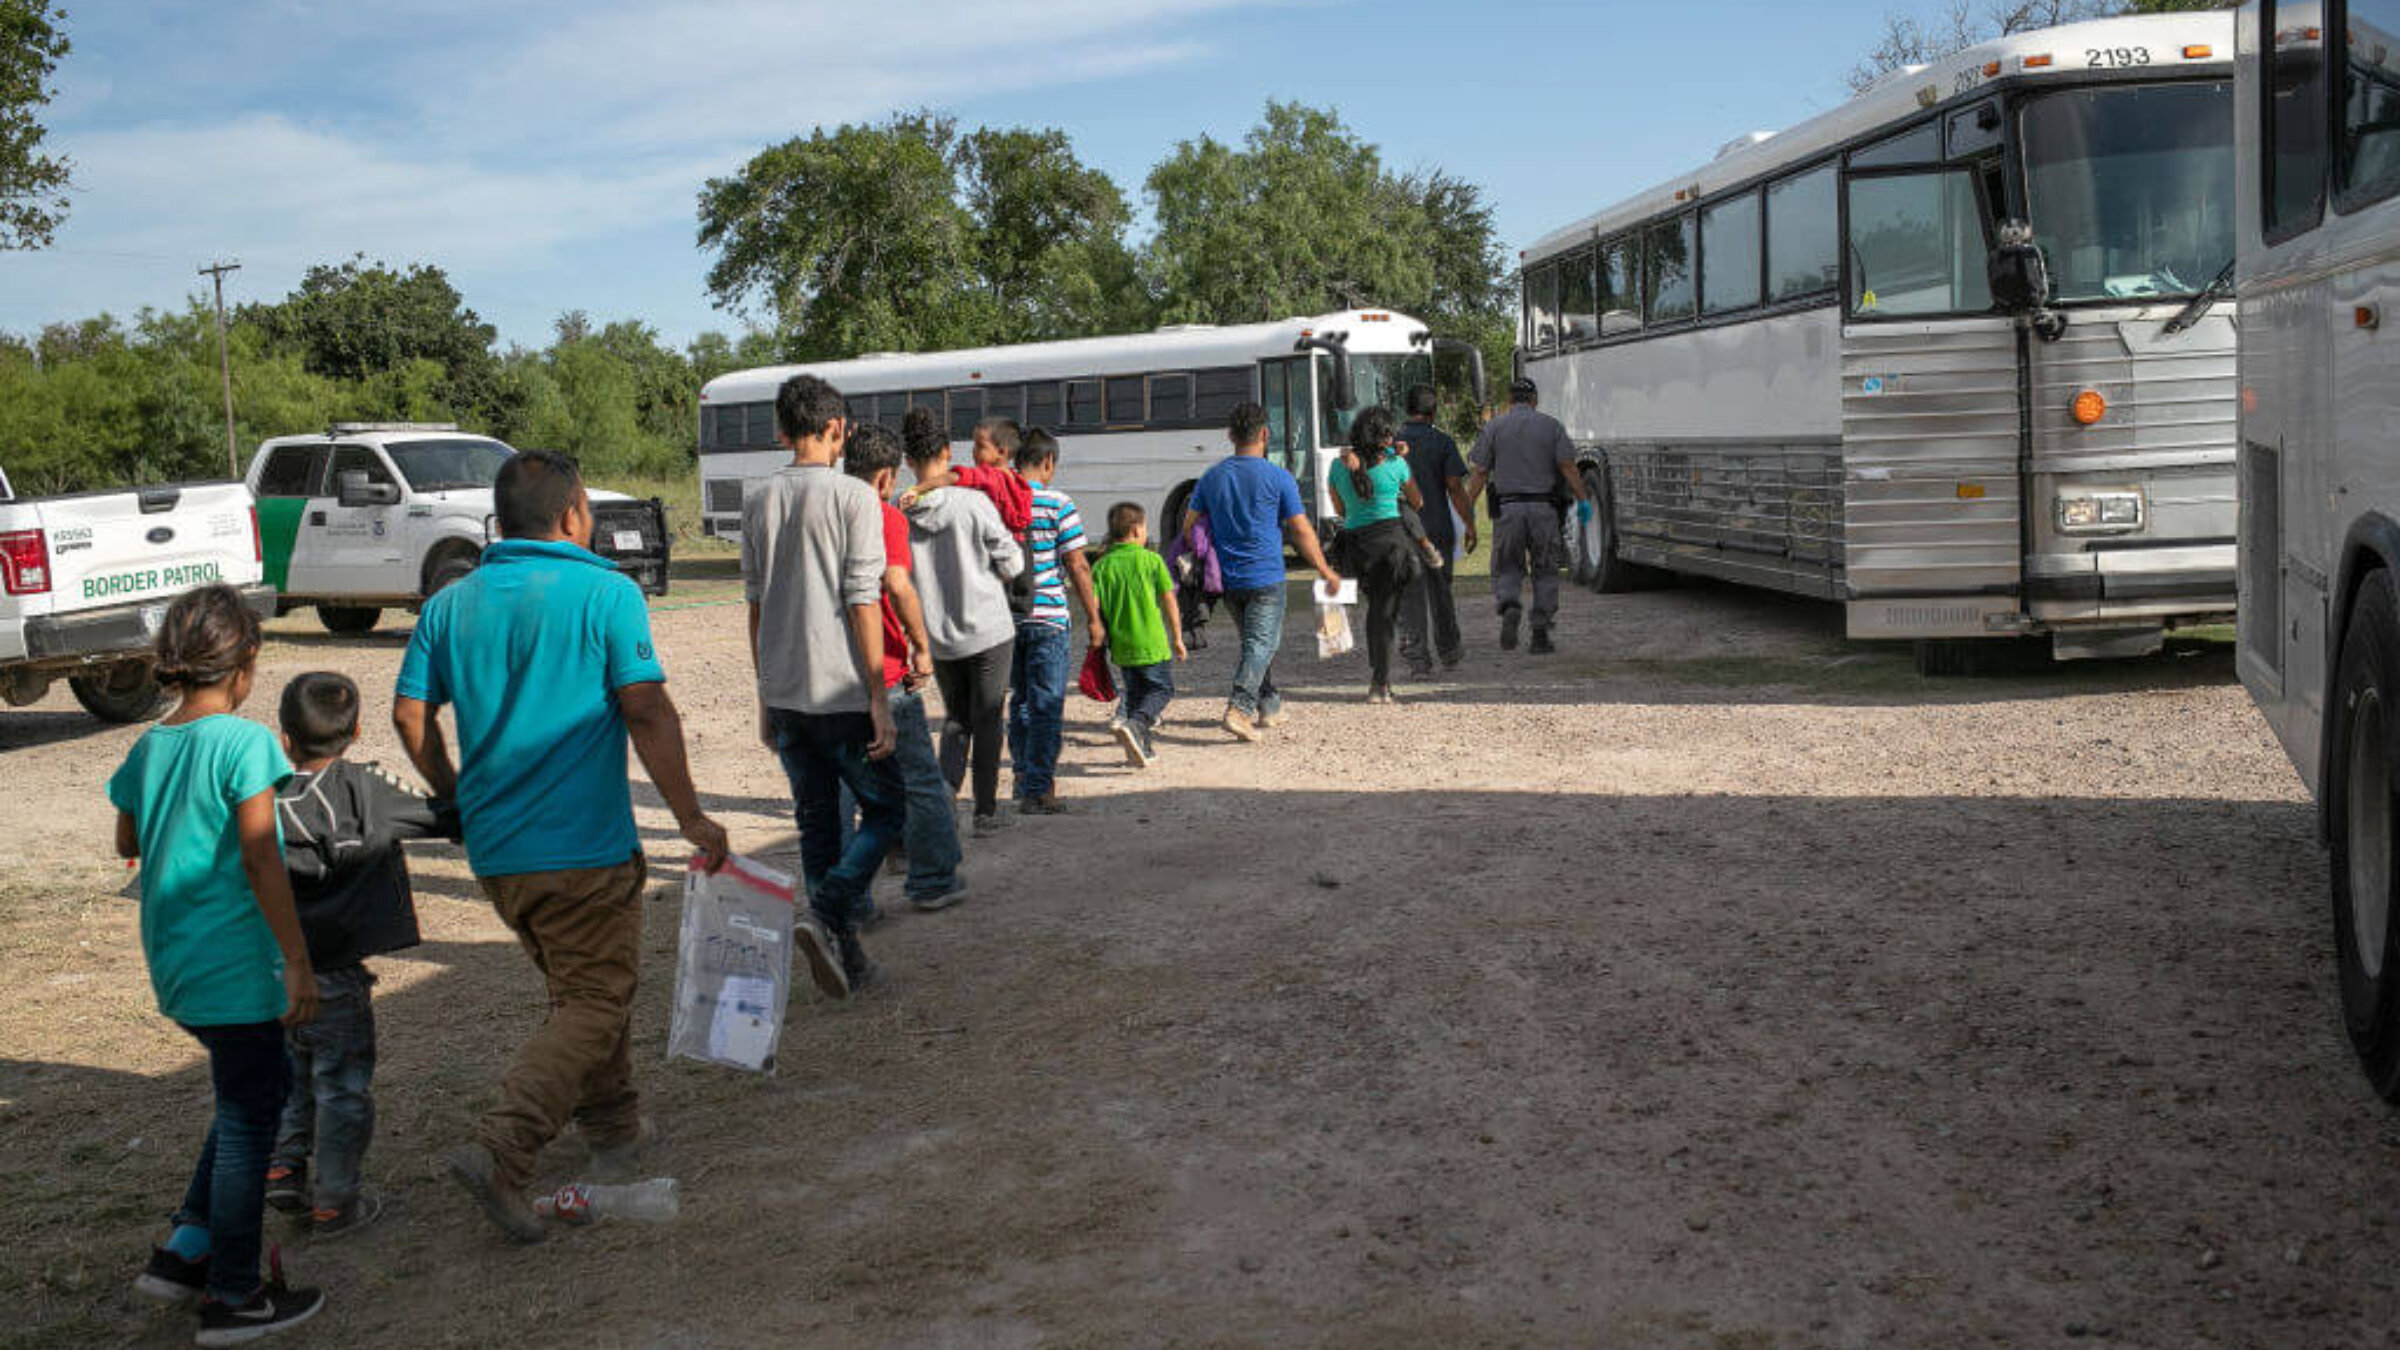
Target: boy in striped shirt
[{"x": 1054, "y": 546}]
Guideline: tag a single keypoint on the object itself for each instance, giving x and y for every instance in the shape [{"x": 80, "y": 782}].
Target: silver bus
[
  {"x": 2317, "y": 187},
  {"x": 1828, "y": 362}
]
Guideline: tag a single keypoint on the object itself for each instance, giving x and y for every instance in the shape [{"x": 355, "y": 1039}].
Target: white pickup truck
[
  {"x": 370, "y": 516},
  {"x": 85, "y": 579}
]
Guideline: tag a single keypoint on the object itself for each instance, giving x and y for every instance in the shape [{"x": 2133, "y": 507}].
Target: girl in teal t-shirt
[
  {"x": 1378, "y": 486},
  {"x": 195, "y": 803}
]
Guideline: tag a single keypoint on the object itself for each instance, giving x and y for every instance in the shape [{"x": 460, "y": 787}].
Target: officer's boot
[{"x": 1510, "y": 616}]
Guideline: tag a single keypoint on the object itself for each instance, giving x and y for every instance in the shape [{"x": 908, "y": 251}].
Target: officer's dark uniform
[{"x": 1520, "y": 451}]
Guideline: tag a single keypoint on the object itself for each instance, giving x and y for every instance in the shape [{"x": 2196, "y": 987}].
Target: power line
[{"x": 216, "y": 272}]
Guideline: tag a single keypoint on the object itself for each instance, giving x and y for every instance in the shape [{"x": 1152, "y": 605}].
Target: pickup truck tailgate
[{"x": 115, "y": 548}]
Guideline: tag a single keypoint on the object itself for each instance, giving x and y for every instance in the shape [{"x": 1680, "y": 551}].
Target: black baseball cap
[{"x": 1522, "y": 390}]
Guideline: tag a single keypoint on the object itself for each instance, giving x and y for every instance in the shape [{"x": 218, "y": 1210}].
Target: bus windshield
[
  {"x": 436, "y": 466},
  {"x": 1373, "y": 379},
  {"x": 2130, "y": 188}
]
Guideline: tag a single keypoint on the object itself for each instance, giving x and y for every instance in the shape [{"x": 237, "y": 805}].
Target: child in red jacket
[{"x": 996, "y": 440}]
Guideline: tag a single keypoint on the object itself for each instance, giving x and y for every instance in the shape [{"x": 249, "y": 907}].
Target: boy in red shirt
[
  {"x": 996, "y": 441},
  {"x": 930, "y": 837}
]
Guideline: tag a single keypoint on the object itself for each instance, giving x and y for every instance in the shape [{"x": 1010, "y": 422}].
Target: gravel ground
[{"x": 1712, "y": 983}]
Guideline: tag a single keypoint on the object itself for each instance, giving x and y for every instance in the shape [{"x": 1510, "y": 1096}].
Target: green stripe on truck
[{"x": 278, "y": 530}]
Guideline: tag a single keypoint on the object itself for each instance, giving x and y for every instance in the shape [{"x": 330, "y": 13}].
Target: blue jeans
[
  {"x": 1258, "y": 615},
  {"x": 930, "y": 835},
  {"x": 228, "y": 1194},
  {"x": 330, "y": 1110},
  {"x": 823, "y": 753},
  {"x": 1037, "y": 707},
  {"x": 1145, "y": 690}
]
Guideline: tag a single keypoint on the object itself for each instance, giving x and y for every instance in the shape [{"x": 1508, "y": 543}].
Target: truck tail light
[
  {"x": 24, "y": 562},
  {"x": 258, "y": 547}
]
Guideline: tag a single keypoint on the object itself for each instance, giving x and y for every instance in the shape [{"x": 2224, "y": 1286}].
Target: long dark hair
[
  {"x": 1370, "y": 432},
  {"x": 206, "y": 638}
]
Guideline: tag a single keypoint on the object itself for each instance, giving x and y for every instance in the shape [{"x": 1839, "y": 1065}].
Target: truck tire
[
  {"x": 2362, "y": 755},
  {"x": 124, "y": 692},
  {"x": 1592, "y": 548},
  {"x": 448, "y": 566},
  {"x": 348, "y": 620}
]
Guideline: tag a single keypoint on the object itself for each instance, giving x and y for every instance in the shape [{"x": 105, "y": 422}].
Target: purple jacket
[{"x": 1202, "y": 550}]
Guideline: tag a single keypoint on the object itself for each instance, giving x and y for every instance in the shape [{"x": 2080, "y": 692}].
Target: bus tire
[
  {"x": 2363, "y": 754},
  {"x": 1165, "y": 529},
  {"x": 1949, "y": 658},
  {"x": 449, "y": 564},
  {"x": 124, "y": 692},
  {"x": 1592, "y": 546},
  {"x": 348, "y": 620}
]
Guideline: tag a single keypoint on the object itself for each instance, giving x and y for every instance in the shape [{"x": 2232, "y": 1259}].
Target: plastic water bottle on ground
[{"x": 651, "y": 1201}]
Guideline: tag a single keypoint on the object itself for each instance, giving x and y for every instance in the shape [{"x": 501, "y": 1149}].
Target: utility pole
[{"x": 216, "y": 272}]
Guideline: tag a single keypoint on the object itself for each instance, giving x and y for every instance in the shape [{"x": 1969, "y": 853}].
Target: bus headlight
[{"x": 2108, "y": 512}]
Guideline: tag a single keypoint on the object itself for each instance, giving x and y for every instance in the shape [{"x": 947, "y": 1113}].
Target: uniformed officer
[{"x": 1525, "y": 457}]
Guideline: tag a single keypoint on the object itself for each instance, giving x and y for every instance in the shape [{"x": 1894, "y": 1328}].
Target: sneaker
[
  {"x": 171, "y": 1279},
  {"x": 276, "y": 1307},
  {"x": 1045, "y": 804},
  {"x": 1381, "y": 693},
  {"x": 327, "y": 1224},
  {"x": 472, "y": 1167},
  {"x": 823, "y": 965},
  {"x": 942, "y": 900},
  {"x": 1274, "y": 719},
  {"x": 1239, "y": 723},
  {"x": 1149, "y": 747},
  {"x": 1450, "y": 662},
  {"x": 621, "y": 1162},
  {"x": 1130, "y": 737},
  {"x": 1509, "y": 619},
  {"x": 987, "y": 826},
  {"x": 1541, "y": 643},
  {"x": 287, "y": 1187},
  {"x": 857, "y": 970},
  {"x": 1420, "y": 669}
]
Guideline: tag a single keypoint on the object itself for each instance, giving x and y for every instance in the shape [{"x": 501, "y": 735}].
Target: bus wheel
[
  {"x": 2363, "y": 751},
  {"x": 124, "y": 692},
  {"x": 348, "y": 620},
  {"x": 1592, "y": 545}
]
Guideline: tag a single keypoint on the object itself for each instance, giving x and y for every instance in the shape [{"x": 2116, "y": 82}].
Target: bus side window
[
  {"x": 2370, "y": 162},
  {"x": 1041, "y": 404},
  {"x": 1578, "y": 300},
  {"x": 1083, "y": 403},
  {"x": 2295, "y": 110},
  {"x": 1620, "y": 286}
]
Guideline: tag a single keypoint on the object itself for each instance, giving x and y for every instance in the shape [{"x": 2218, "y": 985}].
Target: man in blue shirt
[
  {"x": 544, "y": 658},
  {"x": 1251, "y": 506}
]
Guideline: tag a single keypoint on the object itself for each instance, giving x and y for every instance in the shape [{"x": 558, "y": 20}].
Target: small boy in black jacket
[{"x": 343, "y": 824}]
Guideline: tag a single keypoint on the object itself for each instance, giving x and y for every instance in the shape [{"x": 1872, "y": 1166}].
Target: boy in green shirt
[{"x": 1145, "y": 632}]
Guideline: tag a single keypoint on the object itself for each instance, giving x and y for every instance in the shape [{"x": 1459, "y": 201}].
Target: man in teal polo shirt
[{"x": 543, "y": 656}]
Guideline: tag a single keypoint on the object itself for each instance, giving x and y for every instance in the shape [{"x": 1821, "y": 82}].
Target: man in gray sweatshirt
[
  {"x": 963, "y": 555},
  {"x": 812, "y": 571}
]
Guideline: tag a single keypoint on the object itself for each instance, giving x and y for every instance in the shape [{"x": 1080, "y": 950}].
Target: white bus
[
  {"x": 1805, "y": 365},
  {"x": 2318, "y": 192},
  {"x": 1138, "y": 417}
]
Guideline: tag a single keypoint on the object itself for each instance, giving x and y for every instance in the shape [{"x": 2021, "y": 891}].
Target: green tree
[
  {"x": 33, "y": 184},
  {"x": 849, "y": 240},
  {"x": 1304, "y": 217},
  {"x": 358, "y": 320},
  {"x": 1049, "y": 237},
  {"x": 905, "y": 235}
]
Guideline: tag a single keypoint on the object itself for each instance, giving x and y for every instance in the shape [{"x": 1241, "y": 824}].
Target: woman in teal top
[{"x": 1373, "y": 486}]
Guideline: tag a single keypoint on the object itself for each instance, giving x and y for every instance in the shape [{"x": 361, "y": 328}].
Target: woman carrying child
[
  {"x": 963, "y": 556},
  {"x": 1379, "y": 548},
  {"x": 195, "y": 802}
]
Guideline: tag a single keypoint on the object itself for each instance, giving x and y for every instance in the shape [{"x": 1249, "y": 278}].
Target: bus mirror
[
  {"x": 1474, "y": 355},
  {"x": 1344, "y": 396},
  {"x": 2020, "y": 279}
]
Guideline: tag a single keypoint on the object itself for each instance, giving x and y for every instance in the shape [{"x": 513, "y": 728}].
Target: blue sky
[{"x": 547, "y": 153}]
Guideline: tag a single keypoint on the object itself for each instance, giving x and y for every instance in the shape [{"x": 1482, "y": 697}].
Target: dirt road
[{"x": 1712, "y": 983}]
